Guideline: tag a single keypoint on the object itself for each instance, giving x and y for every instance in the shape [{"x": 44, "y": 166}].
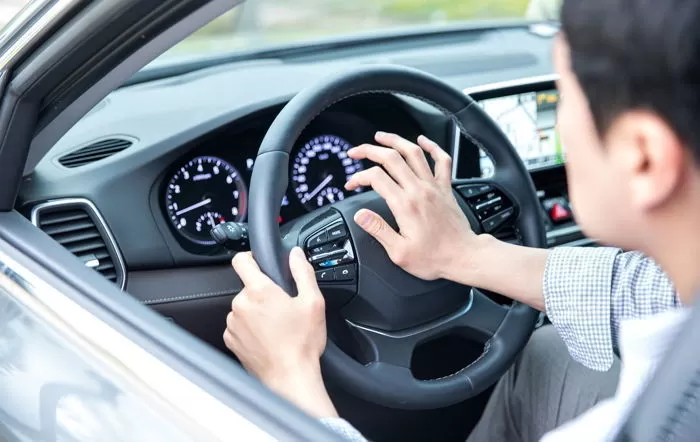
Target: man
[{"x": 628, "y": 112}]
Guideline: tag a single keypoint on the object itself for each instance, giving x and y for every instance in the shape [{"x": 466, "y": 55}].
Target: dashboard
[{"x": 209, "y": 184}]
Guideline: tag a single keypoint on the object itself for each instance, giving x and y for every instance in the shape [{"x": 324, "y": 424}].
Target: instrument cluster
[{"x": 209, "y": 185}]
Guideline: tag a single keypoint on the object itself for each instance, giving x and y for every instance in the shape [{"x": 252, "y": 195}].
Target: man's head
[{"x": 630, "y": 116}]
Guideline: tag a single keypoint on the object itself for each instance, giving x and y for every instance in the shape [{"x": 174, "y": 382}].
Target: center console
[{"x": 526, "y": 112}]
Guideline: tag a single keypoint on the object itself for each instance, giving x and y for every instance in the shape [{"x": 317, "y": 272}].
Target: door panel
[{"x": 55, "y": 384}]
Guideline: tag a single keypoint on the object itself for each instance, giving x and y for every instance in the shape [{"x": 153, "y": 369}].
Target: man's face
[{"x": 597, "y": 196}]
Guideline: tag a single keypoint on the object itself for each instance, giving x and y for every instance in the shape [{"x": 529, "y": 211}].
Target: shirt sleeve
[
  {"x": 344, "y": 429},
  {"x": 589, "y": 290}
]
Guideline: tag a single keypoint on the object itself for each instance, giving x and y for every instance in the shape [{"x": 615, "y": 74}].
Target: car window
[
  {"x": 257, "y": 24},
  {"x": 262, "y": 23},
  {"x": 9, "y": 9}
]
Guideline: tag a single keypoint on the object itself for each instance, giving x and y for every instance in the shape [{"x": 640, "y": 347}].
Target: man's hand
[
  {"x": 435, "y": 239},
  {"x": 278, "y": 338},
  {"x": 433, "y": 232}
]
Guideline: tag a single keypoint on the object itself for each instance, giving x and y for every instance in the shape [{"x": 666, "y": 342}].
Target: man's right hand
[
  {"x": 433, "y": 230},
  {"x": 435, "y": 239}
]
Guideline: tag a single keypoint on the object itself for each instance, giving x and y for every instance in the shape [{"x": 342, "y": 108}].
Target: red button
[{"x": 559, "y": 213}]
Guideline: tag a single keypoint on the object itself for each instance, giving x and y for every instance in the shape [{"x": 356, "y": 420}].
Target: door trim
[{"x": 135, "y": 369}]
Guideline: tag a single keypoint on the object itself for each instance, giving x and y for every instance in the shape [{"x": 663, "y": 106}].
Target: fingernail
[
  {"x": 362, "y": 218},
  {"x": 380, "y": 134}
]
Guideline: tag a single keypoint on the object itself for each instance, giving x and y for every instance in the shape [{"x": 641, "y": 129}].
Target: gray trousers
[{"x": 542, "y": 390}]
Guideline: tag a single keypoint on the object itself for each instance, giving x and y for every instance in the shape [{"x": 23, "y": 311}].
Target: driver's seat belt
[{"x": 669, "y": 408}]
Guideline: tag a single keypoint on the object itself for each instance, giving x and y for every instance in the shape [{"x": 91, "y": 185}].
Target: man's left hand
[{"x": 278, "y": 338}]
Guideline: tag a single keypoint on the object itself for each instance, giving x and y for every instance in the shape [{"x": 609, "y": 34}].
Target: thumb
[
  {"x": 378, "y": 228},
  {"x": 302, "y": 272}
]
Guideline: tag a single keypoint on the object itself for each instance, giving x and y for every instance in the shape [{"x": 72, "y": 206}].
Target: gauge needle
[
  {"x": 193, "y": 206},
  {"x": 318, "y": 188}
]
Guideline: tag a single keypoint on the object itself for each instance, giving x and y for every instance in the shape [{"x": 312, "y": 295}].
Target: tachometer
[
  {"x": 320, "y": 170},
  {"x": 203, "y": 193}
]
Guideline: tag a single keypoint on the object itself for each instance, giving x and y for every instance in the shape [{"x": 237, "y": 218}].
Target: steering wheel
[{"x": 388, "y": 311}]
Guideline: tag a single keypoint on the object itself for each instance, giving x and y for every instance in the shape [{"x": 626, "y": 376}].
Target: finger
[
  {"x": 391, "y": 159},
  {"x": 443, "y": 162},
  {"x": 377, "y": 179},
  {"x": 229, "y": 341},
  {"x": 229, "y": 321},
  {"x": 238, "y": 299},
  {"x": 303, "y": 274},
  {"x": 379, "y": 229},
  {"x": 410, "y": 151},
  {"x": 249, "y": 272}
]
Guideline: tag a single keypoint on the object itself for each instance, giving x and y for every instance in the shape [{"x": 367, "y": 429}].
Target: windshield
[{"x": 257, "y": 24}]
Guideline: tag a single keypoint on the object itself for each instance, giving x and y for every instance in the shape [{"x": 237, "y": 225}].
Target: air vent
[
  {"x": 94, "y": 152},
  {"x": 77, "y": 225}
]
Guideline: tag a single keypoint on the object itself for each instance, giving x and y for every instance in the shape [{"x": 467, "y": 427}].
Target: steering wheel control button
[
  {"x": 337, "y": 232},
  {"x": 321, "y": 249},
  {"x": 330, "y": 255},
  {"x": 328, "y": 245},
  {"x": 488, "y": 203},
  {"x": 329, "y": 263},
  {"x": 497, "y": 220},
  {"x": 474, "y": 190},
  {"x": 318, "y": 239},
  {"x": 491, "y": 210},
  {"x": 345, "y": 273},
  {"x": 324, "y": 275}
]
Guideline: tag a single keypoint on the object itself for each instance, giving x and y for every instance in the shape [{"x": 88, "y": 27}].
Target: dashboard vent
[
  {"x": 94, "y": 152},
  {"x": 77, "y": 225}
]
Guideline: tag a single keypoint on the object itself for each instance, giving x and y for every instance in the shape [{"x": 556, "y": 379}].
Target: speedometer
[
  {"x": 320, "y": 170},
  {"x": 202, "y": 194}
]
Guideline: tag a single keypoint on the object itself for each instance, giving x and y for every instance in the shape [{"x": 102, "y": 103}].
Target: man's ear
[{"x": 649, "y": 156}]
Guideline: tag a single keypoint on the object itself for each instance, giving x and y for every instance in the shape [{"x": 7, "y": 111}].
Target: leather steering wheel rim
[{"x": 384, "y": 383}]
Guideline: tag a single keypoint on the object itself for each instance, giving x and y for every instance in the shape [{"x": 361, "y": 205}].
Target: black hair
[{"x": 638, "y": 54}]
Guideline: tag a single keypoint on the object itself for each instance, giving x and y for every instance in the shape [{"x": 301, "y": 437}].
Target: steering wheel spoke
[
  {"x": 484, "y": 317},
  {"x": 386, "y": 347},
  {"x": 479, "y": 319}
]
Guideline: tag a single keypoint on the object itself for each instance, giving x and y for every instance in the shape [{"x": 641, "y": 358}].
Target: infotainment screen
[{"x": 529, "y": 121}]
